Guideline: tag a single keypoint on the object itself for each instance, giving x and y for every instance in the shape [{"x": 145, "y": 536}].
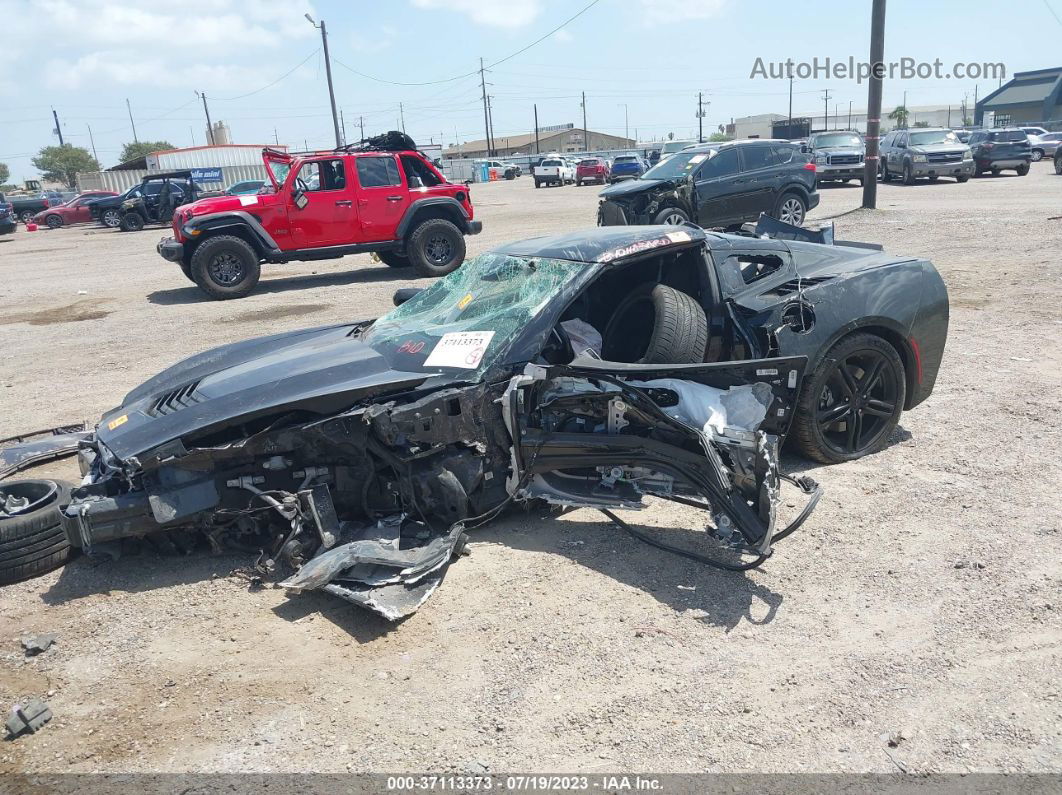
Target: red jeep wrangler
[{"x": 381, "y": 196}]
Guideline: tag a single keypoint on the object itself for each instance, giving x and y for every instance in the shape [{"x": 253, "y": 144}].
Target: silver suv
[{"x": 925, "y": 152}]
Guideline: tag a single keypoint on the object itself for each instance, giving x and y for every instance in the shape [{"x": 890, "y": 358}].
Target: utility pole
[
  {"x": 92, "y": 143},
  {"x": 58, "y": 129},
  {"x": 129, "y": 108},
  {"x": 210, "y": 127},
  {"x": 586, "y": 135},
  {"x": 537, "y": 150},
  {"x": 490, "y": 127},
  {"x": 877, "y": 71},
  {"x": 790, "y": 105},
  {"x": 401, "y": 117},
  {"x": 343, "y": 124},
  {"x": 486, "y": 118},
  {"x": 849, "y": 114},
  {"x": 975, "y": 104},
  {"x": 361, "y": 123},
  {"x": 906, "y": 115},
  {"x": 191, "y": 132},
  {"x": 700, "y": 119},
  {"x": 276, "y": 138},
  {"x": 626, "y": 124},
  {"x": 826, "y": 108},
  {"x": 328, "y": 74}
]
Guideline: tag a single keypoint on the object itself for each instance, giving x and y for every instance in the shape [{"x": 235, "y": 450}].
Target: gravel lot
[{"x": 920, "y": 604}]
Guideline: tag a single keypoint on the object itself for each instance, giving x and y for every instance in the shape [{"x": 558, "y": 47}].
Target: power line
[
  {"x": 578, "y": 14},
  {"x": 270, "y": 85}
]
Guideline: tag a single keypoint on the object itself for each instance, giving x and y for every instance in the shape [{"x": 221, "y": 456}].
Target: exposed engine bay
[{"x": 372, "y": 504}]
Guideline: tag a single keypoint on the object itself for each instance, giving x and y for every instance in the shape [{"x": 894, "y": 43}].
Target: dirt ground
[{"x": 920, "y": 605}]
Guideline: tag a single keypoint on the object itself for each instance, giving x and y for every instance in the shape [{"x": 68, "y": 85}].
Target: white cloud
[
  {"x": 119, "y": 67},
  {"x": 508, "y": 14},
  {"x": 670, "y": 10}
]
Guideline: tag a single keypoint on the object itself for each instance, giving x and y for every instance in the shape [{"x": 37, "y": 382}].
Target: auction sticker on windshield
[{"x": 464, "y": 349}]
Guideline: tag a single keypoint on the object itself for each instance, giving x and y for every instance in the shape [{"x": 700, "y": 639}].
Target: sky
[{"x": 641, "y": 64}]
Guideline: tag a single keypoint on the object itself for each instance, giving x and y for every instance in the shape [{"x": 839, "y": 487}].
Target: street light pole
[
  {"x": 328, "y": 74},
  {"x": 626, "y": 123}
]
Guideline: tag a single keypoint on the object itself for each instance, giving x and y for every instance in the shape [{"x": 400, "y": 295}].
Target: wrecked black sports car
[{"x": 584, "y": 370}]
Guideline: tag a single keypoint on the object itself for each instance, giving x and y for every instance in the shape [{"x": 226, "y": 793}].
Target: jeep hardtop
[{"x": 381, "y": 196}]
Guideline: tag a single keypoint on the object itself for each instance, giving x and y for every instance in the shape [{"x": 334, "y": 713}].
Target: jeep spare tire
[
  {"x": 656, "y": 324},
  {"x": 436, "y": 247},
  {"x": 32, "y": 541},
  {"x": 225, "y": 267}
]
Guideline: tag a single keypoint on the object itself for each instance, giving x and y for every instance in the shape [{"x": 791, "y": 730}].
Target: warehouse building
[
  {"x": 560, "y": 138},
  {"x": 1029, "y": 98}
]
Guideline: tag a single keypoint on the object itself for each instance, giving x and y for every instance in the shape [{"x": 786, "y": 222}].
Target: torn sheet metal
[{"x": 29, "y": 449}]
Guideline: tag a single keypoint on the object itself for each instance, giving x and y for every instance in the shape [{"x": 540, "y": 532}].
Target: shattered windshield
[
  {"x": 470, "y": 318},
  {"x": 935, "y": 137},
  {"x": 678, "y": 166},
  {"x": 279, "y": 171}
]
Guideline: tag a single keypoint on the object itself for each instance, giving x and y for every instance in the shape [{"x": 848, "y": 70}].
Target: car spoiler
[{"x": 772, "y": 228}]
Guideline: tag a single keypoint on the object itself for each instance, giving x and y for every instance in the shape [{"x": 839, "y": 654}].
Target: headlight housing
[
  {"x": 967, "y": 155},
  {"x": 820, "y": 159},
  {"x": 919, "y": 159}
]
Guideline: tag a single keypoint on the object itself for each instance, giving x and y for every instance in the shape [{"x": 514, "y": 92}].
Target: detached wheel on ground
[
  {"x": 225, "y": 267},
  {"x": 790, "y": 209},
  {"x": 131, "y": 222},
  {"x": 852, "y": 401},
  {"x": 436, "y": 247},
  {"x": 110, "y": 218},
  {"x": 53, "y": 221},
  {"x": 393, "y": 259},
  {"x": 673, "y": 216},
  {"x": 656, "y": 324},
  {"x": 32, "y": 541}
]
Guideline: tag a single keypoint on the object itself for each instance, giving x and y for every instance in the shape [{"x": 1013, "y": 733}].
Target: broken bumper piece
[
  {"x": 381, "y": 570},
  {"x": 29, "y": 449}
]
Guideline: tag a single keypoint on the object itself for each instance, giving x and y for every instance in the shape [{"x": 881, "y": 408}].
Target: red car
[
  {"x": 75, "y": 211},
  {"x": 593, "y": 169},
  {"x": 384, "y": 197}
]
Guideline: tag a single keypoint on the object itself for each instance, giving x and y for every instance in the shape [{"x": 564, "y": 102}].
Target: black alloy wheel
[{"x": 859, "y": 401}]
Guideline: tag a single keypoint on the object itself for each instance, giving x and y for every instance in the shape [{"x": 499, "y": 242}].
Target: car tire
[
  {"x": 1037, "y": 155},
  {"x": 26, "y": 216},
  {"x": 1058, "y": 166},
  {"x": 908, "y": 174},
  {"x": 790, "y": 209},
  {"x": 110, "y": 218},
  {"x": 996, "y": 171},
  {"x": 186, "y": 269},
  {"x": 671, "y": 325},
  {"x": 845, "y": 365},
  {"x": 436, "y": 247},
  {"x": 225, "y": 267},
  {"x": 33, "y": 543},
  {"x": 53, "y": 221},
  {"x": 131, "y": 222},
  {"x": 962, "y": 178},
  {"x": 1023, "y": 169},
  {"x": 538, "y": 184},
  {"x": 672, "y": 216},
  {"x": 393, "y": 259},
  {"x": 885, "y": 175},
  {"x": 578, "y": 183}
]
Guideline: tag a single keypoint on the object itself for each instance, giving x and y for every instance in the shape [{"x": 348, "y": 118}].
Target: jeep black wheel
[
  {"x": 53, "y": 221},
  {"x": 110, "y": 218},
  {"x": 225, "y": 267},
  {"x": 790, "y": 209},
  {"x": 131, "y": 222},
  {"x": 436, "y": 247},
  {"x": 32, "y": 541},
  {"x": 393, "y": 259},
  {"x": 852, "y": 401}
]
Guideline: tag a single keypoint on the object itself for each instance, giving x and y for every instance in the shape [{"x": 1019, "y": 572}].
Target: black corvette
[{"x": 585, "y": 370}]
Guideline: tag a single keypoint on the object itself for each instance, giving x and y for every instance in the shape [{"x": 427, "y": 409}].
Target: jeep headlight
[
  {"x": 919, "y": 158},
  {"x": 967, "y": 155}
]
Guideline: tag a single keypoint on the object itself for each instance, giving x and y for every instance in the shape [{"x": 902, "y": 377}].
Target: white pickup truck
[{"x": 553, "y": 171}]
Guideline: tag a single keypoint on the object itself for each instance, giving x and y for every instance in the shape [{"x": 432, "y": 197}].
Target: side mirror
[
  {"x": 299, "y": 199},
  {"x": 403, "y": 294}
]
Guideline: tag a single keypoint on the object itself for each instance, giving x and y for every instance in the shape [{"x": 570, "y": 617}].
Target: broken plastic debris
[{"x": 28, "y": 717}]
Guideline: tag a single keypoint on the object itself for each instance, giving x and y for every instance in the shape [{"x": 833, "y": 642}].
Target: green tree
[
  {"x": 718, "y": 137},
  {"x": 900, "y": 115},
  {"x": 63, "y": 163},
  {"x": 921, "y": 124},
  {"x": 136, "y": 150},
  {"x": 5, "y": 172}
]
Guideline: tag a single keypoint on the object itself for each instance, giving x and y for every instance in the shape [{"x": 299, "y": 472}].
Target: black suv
[
  {"x": 108, "y": 210},
  {"x": 995, "y": 150},
  {"x": 160, "y": 195},
  {"x": 717, "y": 185}
]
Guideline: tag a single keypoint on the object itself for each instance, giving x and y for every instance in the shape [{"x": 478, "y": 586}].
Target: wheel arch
[
  {"x": 892, "y": 333},
  {"x": 445, "y": 207},
  {"x": 237, "y": 224}
]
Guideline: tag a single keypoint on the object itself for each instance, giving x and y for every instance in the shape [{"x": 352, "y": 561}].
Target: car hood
[
  {"x": 318, "y": 371},
  {"x": 631, "y": 187},
  {"x": 221, "y": 204},
  {"x": 931, "y": 148}
]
